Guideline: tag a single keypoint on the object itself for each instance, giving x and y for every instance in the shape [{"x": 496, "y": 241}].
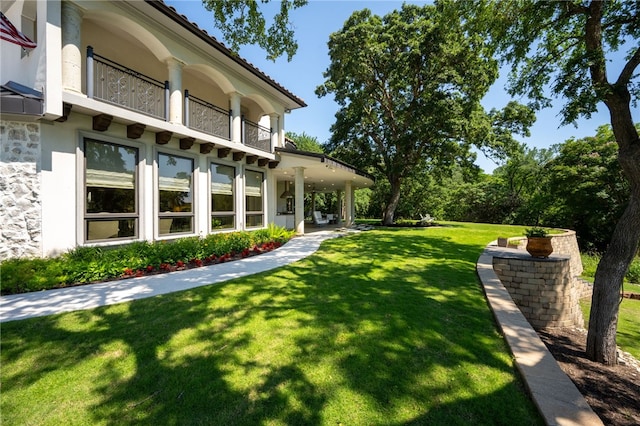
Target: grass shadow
[{"x": 384, "y": 327}]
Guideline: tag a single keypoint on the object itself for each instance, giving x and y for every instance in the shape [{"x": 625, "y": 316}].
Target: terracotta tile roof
[{"x": 213, "y": 42}]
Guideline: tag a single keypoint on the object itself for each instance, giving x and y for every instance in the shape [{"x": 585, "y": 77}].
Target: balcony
[
  {"x": 256, "y": 136},
  {"x": 205, "y": 117},
  {"x": 118, "y": 85},
  {"x": 113, "y": 83}
]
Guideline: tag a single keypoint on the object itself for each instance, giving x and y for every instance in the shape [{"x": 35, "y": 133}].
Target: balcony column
[
  {"x": 348, "y": 199},
  {"x": 281, "y": 131},
  {"x": 339, "y": 208},
  {"x": 275, "y": 130},
  {"x": 236, "y": 118},
  {"x": 299, "y": 200},
  {"x": 71, "y": 42},
  {"x": 175, "y": 86}
]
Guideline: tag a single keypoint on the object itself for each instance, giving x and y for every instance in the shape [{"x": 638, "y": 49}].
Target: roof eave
[{"x": 171, "y": 13}]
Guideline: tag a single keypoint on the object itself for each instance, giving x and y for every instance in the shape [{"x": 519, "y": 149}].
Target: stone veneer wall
[
  {"x": 20, "y": 204},
  {"x": 545, "y": 290}
]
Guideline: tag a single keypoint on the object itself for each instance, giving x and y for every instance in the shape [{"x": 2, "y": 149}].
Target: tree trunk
[
  {"x": 394, "y": 199},
  {"x": 605, "y": 304}
]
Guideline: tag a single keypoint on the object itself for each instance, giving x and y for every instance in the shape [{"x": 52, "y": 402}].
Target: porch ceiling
[{"x": 321, "y": 172}]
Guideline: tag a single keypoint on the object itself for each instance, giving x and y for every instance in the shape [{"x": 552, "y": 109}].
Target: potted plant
[{"x": 538, "y": 242}]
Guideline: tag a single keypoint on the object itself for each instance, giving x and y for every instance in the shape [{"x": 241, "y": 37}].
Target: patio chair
[
  {"x": 426, "y": 219},
  {"x": 317, "y": 218}
]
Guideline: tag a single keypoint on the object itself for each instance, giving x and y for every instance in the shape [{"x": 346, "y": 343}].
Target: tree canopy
[
  {"x": 409, "y": 86},
  {"x": 561, "y": 49},
  {"x": 305, "y": 142},
  {"x": 242, "y": 22}
]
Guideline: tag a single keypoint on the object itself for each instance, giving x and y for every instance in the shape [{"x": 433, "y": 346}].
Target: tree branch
[{"x": 629, "y": 68}]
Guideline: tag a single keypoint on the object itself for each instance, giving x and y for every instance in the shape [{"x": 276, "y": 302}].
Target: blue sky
[{"x": 314, "y": 23}]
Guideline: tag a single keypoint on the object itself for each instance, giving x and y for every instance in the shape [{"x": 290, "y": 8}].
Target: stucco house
[{"x": 124, "y": 121}]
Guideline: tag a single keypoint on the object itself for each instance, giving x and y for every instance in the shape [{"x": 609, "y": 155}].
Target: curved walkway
[
  {"x": 48, "y": 302},
  {"x": 557, "y": 398}
]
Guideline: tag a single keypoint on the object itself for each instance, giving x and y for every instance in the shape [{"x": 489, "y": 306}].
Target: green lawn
[
  {"x": 628, "y": 334},
  {"x": 386, "y": 327}
]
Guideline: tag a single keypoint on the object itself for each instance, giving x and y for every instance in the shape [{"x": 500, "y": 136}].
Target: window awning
[{"x": 18, "y": 99}]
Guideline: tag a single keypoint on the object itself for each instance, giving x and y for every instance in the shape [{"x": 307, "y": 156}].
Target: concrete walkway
[
  {"x": 48, "y": 302},
  {"x": 557, "y": 398}
]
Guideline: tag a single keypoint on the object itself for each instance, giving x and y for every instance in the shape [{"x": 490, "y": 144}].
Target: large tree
[
  {"x": 563, "y": 48},
  {"x": 243, "y": 22},
  {"x": 587, "y": 190},
  {"x": 409, "y": 86}
]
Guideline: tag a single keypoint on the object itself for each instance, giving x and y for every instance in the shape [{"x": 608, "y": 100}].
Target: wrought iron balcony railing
[
  {"x": 205, "y": 117},
  {"x": 256, "y": 136},
  {"x": 116, "y": 84}
]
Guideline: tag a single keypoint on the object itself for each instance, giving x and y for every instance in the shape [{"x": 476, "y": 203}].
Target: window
[
  {"x": 28, "y": 23},
  {"x": 253, "y": 198},
  {"x": 110, "y": 183},
  {"x": 222, "y": 196},
  {"x": 175, "y": 194}
]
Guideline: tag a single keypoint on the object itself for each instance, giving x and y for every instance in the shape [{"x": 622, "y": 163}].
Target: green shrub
[
  {"x": 633, "y": 274},
  {"x": 25, "y": 275},
  {"x": 185, "y": 249},
  {"x": 90, "y": 264},
  {"x": 590, "y": 263},
  {"x": 536, "y": 232}
]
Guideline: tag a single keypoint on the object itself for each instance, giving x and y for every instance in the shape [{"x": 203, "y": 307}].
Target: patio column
[
  {"x": 236, "y": 118},
  {"x": 299, "y": 200},
  {"x": 281, "y": 131},
  {"x": 348, "y": 195},
  {"x": 71, "y": 41},
  {"x": 274, "y": 131},
  {"x": 339, "y": 207},
  {"x": 175, "y": 85}
]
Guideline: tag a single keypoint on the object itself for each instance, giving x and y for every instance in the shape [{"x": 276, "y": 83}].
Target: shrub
[
  {"x": 90, "y": 264},
  {"x": 536, "y": 232},
  {"x": 25, "y": 275},
  {"x": 590, "y": 263},
  {"x": 633, "y": 274}
]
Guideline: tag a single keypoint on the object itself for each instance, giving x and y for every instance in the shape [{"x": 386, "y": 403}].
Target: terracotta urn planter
[{"x": 539, "y": 246}]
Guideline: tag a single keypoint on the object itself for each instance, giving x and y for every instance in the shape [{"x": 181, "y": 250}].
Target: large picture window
[
  {"x": 175, "y": 194},
  {"x": 111, "y": 191},
  {"x": 253, "y": 198},
  {"x": 223, "y": 180}
]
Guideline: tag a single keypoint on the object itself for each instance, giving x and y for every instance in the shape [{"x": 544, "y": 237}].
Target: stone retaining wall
[
  {"x": 20, "y": 204},
  {"x": 567, "y": 243},
  {"x": 545, "y": 290}
]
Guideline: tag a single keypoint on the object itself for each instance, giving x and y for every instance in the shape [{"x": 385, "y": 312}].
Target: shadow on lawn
[{"x": 386, "y": 340}]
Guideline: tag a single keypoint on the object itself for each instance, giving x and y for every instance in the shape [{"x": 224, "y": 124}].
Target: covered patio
[{"x": 301, "y": 172}]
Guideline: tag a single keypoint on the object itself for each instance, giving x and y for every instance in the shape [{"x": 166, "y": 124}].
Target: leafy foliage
[
  {"x": 409, "y": 86},
  {"x": 586, "y": 189},
  {"x": 563, "y": 46},
  {"x": 305, "y": 142},
  {"x": 242, "y": 22},
  {"x": 536, "y": 232},
  {"x": 89, "y": 264}
]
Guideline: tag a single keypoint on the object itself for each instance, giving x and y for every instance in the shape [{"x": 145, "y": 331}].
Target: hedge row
[{"x": 92, "y": 264}]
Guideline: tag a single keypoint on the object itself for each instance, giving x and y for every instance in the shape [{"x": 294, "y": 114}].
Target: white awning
[
  {"x": 174, "y": 184},
  {"x": 107, "y": 179}
]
